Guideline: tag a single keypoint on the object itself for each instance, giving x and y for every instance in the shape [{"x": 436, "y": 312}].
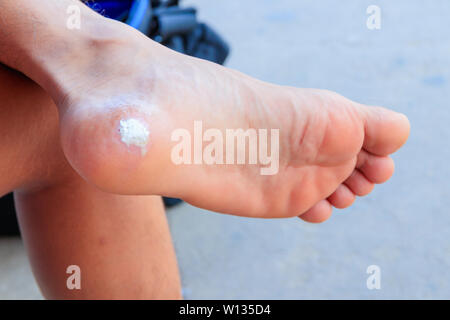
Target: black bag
[{"x": 178, "y": 29}]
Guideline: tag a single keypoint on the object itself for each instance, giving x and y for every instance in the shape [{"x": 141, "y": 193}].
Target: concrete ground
[{"x": 403, "y": 227}]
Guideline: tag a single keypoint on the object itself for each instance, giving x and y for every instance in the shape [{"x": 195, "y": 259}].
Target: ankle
[
  {"x": 59, "y": 61},
  {"x": 87, "y": 58}
]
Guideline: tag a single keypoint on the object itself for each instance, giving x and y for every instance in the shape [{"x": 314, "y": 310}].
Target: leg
[{"x": 121, "y": 243}]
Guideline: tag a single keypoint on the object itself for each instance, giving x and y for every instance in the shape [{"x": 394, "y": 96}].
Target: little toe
[{"x": 320, "y": 212}]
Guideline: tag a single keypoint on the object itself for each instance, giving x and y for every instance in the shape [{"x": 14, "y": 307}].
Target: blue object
[
  {"x": 113, "y": 9},
  {"x": 138, "y": 12}
]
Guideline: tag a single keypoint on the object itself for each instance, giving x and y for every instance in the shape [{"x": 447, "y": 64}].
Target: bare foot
[
  {"x": 118, "y": 132},
  {"x": 125, "y": 100}
]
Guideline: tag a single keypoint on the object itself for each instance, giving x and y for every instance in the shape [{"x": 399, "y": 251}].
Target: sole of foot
[{"x": 119, "y": 132}]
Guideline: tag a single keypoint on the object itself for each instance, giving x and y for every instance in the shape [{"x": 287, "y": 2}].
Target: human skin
[
  {"x": 122, "y": 244},
  {"x": 331, "y": 149}
]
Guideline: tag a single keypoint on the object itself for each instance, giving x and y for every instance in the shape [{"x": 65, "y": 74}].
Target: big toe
[{"x": 385, "y": 130}]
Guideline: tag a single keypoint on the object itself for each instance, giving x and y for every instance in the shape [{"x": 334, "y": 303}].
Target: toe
[
  {"x": 385, "y": 130},
  {"x": 359, "y": 184},
  {"x": 375, "y": 168},
  {"x": 320, "y": 212},
  {"x": 342, "y": 198}
]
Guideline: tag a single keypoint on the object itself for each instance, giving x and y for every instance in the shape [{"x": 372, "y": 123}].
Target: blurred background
[{"x": 403, "y": 226}]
